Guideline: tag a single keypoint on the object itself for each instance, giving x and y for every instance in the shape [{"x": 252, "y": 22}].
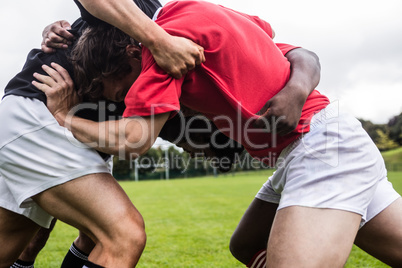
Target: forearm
[
  {"x": 305, "y": 72},
  {"x": 124, "y": 138},
  {"x": 125, "y": 15},
  {"x": 288, "y": 103}
]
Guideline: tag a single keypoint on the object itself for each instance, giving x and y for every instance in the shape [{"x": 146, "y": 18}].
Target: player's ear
[{"x": 133, "y": 51}]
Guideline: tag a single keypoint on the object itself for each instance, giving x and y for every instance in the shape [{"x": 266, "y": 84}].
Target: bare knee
[
  {"x": 135, "y": 234},
  {"x": 128, "y": 237}
]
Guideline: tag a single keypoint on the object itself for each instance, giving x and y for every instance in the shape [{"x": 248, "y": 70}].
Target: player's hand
[
  {"x": 59, "y": 89},
  {"x": 55, "y": 36},
  {"x": 281, "y": 114},
  {"x": 177, "y": 55}
]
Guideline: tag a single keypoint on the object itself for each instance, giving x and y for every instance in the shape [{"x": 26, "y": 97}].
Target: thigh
[
  {"x": 15, "y": 231},
  {"x": 252, "y": 232},
  {"x": 95, "y": 204},
  {"x": 313, "y": 237},
  {"x": 382, "y": 236},
  {"x": 37, "y": 154}
]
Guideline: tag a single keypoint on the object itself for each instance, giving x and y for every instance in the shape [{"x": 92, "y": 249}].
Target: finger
[
  {"x": 65, "y": 33},
  {"x": 61, "y": 30},
  {"x": 65, "y": 24},
  {"x": 42, "y": 87},
  {"x": 51, "y": 44},
  {"x": 63, "y": 72},
  {"x": 57, "y": 38},
  {"x": 199, "y": 55},
  {"x": 282, "y": 130},
  {"x": 67, "y": 36},
  {"x": 44, "y": 79},
  {"x": 178, "y": 72},
  {"x": 190, "y": 66},
  {"x": 47, "y": 49},
  {"x": 175, "y": 75},
  {"x": 202, "y": 55},
  {"x": 184, "y": 71},
  {"x": 263, "y": 121},
  {"x": 53, "y": 73},
  {"x": 266, "y": 113}
]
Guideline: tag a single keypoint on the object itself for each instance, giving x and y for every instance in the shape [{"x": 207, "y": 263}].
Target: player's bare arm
[
  {"x": 176, "y": 55},
  {"x": 287, "y": 105},
  {"x": 127, "y": 137},
  {"x": 56, "y": 35}
]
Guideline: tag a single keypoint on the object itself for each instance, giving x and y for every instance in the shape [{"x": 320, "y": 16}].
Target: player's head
[{"x": 106, "y": 63}]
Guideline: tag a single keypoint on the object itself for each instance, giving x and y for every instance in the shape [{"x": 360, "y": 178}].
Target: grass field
[
  {"x": 189, "y": 222},
  {"x": 393, "y": 159}
]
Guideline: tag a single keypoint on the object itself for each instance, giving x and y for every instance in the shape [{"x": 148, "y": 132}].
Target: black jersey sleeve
[{"x": 21, "y": 84}]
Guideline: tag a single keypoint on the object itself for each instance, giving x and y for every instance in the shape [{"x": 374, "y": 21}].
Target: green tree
[
  {"x": 384, "y": 143},
  {"x": 121, "y": 169},
  {"x": 372, "y": 129},
  {"x": 395, "y": 129}
]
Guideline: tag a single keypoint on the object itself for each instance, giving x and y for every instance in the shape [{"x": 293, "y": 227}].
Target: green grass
[
  {"x": 189, "y": 222},
  {"x": 393, "y": 159}
]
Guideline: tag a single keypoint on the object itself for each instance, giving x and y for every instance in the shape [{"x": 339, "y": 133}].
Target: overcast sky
[{"x": 359, "y": 43}]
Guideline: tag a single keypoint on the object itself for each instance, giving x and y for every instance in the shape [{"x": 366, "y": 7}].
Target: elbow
[
  {"x": 314, "y": 63},
  {"x": 133, "y": 149},
  {"x": 314, "y": 59}
]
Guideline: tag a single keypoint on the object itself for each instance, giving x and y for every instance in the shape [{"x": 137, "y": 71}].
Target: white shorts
[
  {"x": 36, "y": 153},
  {"x": 336, "y": 165}
]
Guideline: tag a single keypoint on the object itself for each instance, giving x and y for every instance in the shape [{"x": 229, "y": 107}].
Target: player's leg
[
  {"x": 78, "y": 252},
  {"x": 252, "y": 232},
  {"x": 98, "y": 206},
  {"x": 28, "y": 256},
  {"x": 249, "y": 241},
  {"x": 82, "y": 246},
  {"x": 381, "y": 236},
  {"x": 326, "y": 183},
  {"x": 311, "y": 237},
  {"x": 84, "y": 243},
  {"x": 41, "y": 160},
  {"x": 15, "y": 233}
]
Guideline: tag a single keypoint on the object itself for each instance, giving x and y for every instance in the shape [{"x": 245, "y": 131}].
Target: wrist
[
  {"x": 60, "y": 118},
  {"x": 156, "y": 38}
]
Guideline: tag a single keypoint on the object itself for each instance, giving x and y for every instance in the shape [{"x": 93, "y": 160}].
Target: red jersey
[{"x": 244, "y": 68}]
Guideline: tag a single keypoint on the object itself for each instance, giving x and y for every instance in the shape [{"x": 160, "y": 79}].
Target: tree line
[{"x": 385, "y": 136}]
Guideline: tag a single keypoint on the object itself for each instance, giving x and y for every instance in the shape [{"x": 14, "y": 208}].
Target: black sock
[
  {"x": 22, "y": 264},
  {"x": 89, "y": 264},
  {"x": 74, "y": 258}
]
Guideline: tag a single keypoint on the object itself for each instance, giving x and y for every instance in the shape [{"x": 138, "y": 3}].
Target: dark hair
[{"x": 99, "y": 52}]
